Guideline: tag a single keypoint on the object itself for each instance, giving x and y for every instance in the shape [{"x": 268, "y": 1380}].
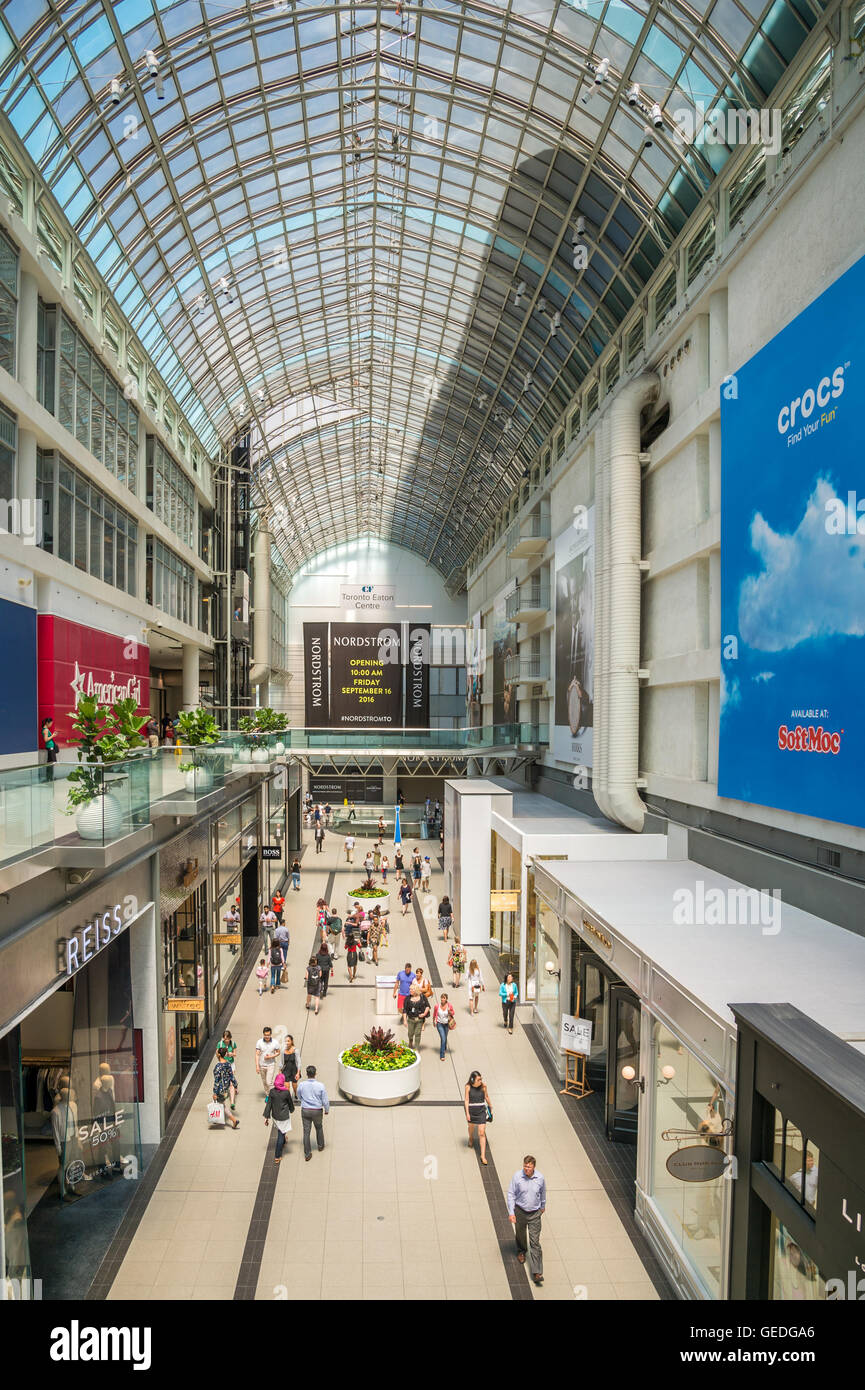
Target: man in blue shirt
[
  {"x": 314, "y": 1105},
  {"x": 527, "y": 1200},
  {"x": 402, "y": 987}
]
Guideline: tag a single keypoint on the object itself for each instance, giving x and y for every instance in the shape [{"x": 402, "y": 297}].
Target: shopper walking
[
  {"x": 348, "y": 846},
  {"x": 446, "y": 917},
  {"x": 416, "y": 1010},
  {"x": 266, "y": 1055},
  {"x": 444, "y": 1020},
  {"x": 425, "y": 874},
  {"x": 291, "y": 1063},
  {"x": 478, "y": 1111},
  {"x": 295, "y": 875},
  {"x": 404, "y": 981},
  {"x": 319, "y": 837},
  {"x": 351, "y": 812},
  {"x": 275, "y": 966},
  {"x": 351, "y": 950},
  {"x": 280, "y": 1107},
  {"x": 225, "y": 1083},
  {"x": 314, "y": 1105},
  {"x": 334, "y": 930},
  {"x": 282, "y": 939},
  {"x": 267, "y": 922},
  {"x": 261, "y": 973},
  {"x": 405, "y": 895},
  {"x": 384, "y": 868},
  {"x": 277, "y": 902},
  {"x": 375, "y": 934},
  {"x": 369, "y": 865},
  {"x": 476, "y": 986},
  {"x": 416, "y": 869},
  {"x": 425, "y": 986},
  {"x": 313, "y": 983},
  {"x": 230, "y": 1046},
  {"x": 398, "y": 862},
  {"x": 457, "y": 962},
  {"x": 527, "y": 1201},
  {"x": 376, "y": 857},
  {"x": 325, "y": 965},
  {"x": 509, "y": 993}
]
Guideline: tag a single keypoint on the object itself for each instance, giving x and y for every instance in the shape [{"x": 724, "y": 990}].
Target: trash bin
[{"x": 384, "y": 1000}]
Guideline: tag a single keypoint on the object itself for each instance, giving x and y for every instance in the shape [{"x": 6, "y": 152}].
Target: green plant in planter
[
  {"x": 197, "y": 728},
  {"x": 249, "y": 728},
  {"x": 368, "y": 893},
  {"x": 271, "y": 721},
  {"x": 105, "y": 735},
  {"x": 379, "y": 1051}
]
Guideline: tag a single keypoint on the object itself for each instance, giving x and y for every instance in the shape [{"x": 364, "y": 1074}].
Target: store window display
[
  {"x": 547, "y": 953},
  {"x": 794, "y": 1275},
  {"x": 690, "y": 1108}
]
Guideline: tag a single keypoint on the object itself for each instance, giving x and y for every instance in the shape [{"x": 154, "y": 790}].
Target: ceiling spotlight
[
  {"x": 199, "y": 303},
  {"x": 159, "y": 88},
  {"x": 527, "y": 381},
  {"x": 152, "y": 62},
  {"x": 557, "y": 318},
  {"x": 648, "y": 140},
  {"x": 580, "y": 227},
  {"x": 601, "y": 71},
  {"x": 521, "y": 289},
  {"x": 223, "y": 287},
  {"x": 657, "y": 116},
  {"x": 116, "y": 90},
  {"x": 634, "y": 94},
  {"x": 261, "y": 394}
]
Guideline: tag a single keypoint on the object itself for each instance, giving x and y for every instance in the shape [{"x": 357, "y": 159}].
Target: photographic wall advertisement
[
  {"x": 573, "y": 718},
  {"x": 793, "y": 565}
]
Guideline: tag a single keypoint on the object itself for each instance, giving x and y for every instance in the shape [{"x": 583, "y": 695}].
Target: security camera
[
  {"x": 657, "y": 116},
  {"x": 601, "y": 71},
  {"x": 648, "y": 139},
  {"x": 634, "y": 94},
  {"x": 116, "y": 91},
  {"x": 152, "y": 62}
]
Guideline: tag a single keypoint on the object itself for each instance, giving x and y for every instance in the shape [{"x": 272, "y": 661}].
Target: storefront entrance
[{"x": 614, "y": 1010}]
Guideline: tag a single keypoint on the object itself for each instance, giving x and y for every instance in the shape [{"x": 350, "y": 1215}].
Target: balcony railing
[
  {"x": 528, "y": 601},
  {"x": 527, "y": 668},
  {"x": 529, "y": 537}
]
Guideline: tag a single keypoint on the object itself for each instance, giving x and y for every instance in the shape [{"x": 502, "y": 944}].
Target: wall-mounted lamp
[
  {"x": 667, "y": 1074},
  {"x": 628, "y": 1074},
  {"x": 552, "y": 971}
]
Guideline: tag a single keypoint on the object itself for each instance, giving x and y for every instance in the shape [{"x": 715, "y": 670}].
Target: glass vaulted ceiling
[{"x": 352, "y": 226}]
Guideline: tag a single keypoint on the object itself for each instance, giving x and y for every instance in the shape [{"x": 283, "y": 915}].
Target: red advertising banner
[{"x": 76, "y": 660}]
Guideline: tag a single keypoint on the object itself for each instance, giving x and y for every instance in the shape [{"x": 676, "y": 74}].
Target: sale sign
[{"x": 75, "y": 660}]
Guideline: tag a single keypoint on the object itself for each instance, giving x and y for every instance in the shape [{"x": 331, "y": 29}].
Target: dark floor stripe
[
  {"x": 110, "y": 1266},
  {"x": 253, "y": 1250},
  {"x": 432, "y": 964},
  {"x": 518, "y": 1284},
  {"x": 615, "y": 1164}
]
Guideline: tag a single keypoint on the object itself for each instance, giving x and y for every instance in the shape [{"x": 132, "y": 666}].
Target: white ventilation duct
[
  {"x": 618, "y": 484},
  {"x": 261, "y": 607},
  {"x": 602, "y": 642}
]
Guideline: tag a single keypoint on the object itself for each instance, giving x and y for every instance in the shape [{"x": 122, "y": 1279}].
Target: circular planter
[
  {"x": 100, "y": 819},
  {"x": 279, "y": 749},
  {"x": 378, "y": 1087},
  {"x": 260, "y": 755},
  {"x": 366, "y": 903}
]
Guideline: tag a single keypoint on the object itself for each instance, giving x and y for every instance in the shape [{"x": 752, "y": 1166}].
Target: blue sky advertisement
[{"x": 792, "y": 726}]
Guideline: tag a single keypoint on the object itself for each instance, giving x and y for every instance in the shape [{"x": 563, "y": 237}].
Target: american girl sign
[{"x": 75, "y": 660}]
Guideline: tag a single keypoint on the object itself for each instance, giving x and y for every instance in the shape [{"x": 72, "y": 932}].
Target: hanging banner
[
  {"x": 315, "y": 676},
  {"x": 418, "y": 637},
  {"x": 575, "y": 641},
  {"x": 366, "y": 675},
  {"x": 504, "y": 649},
  {"x": 791, "y": 727},
  {"x": 474, "y": 672}
]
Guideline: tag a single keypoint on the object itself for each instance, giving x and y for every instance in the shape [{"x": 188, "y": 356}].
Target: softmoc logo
[
  {"x": 808, "y": 738},
  {"x": 77, "y": 1343}
]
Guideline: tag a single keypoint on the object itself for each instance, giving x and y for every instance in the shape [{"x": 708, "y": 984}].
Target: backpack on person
[
  {"x": 313, "y": 975},
  {"x": 275, "y": 955}
]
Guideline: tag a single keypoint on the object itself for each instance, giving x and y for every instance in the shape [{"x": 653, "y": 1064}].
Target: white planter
[
  {"x": 260, "y": 755},
  {"x": 366, "y": 903},
  {"x": 279, "y": 749},
  {"x": 199, "y": 780},
  {"x": 101, "y": 818},
  {"x": 378, "y": 1087}
]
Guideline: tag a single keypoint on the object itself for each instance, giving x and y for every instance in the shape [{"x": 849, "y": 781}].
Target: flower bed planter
[{"x": 378, "y": 1087}]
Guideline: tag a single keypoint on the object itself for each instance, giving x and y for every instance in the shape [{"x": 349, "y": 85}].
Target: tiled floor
[{"x": 397, "y": 1205}]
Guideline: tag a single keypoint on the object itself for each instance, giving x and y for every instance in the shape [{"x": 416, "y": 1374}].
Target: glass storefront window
[
  {"x": 687, "y": 1100},
  {"x": 505, "y": 876},
  {"x": 228, "y": 956},
  {"x": 15, "y": 1244},
  {"x": 275, "y": 868},
  {"x": 794, "y": 1276},
  {"x": 225, "y": 829},
  {"x": 249, "y": 811},
  {"x": 547, "y": 952},
  {"x": 184, "y": 976},
  {"x": 794, "y": 1159}
]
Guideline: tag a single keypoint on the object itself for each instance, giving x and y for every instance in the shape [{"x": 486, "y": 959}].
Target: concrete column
[
  {"x": 718, "y": 345},
  {"x": 25, "y": 483},
  {"x": 190, "y": 675},
  {"x": 28, "y": 321},
  {"x": 140, "y": 488},
  {"x": 144, "y": 958}
]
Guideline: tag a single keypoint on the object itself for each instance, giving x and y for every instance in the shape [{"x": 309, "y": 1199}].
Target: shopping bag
[
  {"x": 216, "y": 1114},
  {"x": 284, "y": 976},
  {"x": 367, "y": 953}
]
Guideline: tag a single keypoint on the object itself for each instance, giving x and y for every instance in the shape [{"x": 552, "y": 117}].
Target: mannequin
[
  {"x": 64, "y": 1127},
  {"x": 104, "y": 1111}
]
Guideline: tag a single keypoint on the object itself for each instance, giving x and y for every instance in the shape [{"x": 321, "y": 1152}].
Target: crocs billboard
[{"x": 792, "y": 717}]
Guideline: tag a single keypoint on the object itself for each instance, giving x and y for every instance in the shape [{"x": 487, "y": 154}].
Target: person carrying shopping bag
[
  {"x": 444, "y": 1020},
  {"x": 476, "y": 985},
  {"x": 457, "y": 962},
  {"x": 224, "y": 1084},
  {"x": 280, "y": 1108}
]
